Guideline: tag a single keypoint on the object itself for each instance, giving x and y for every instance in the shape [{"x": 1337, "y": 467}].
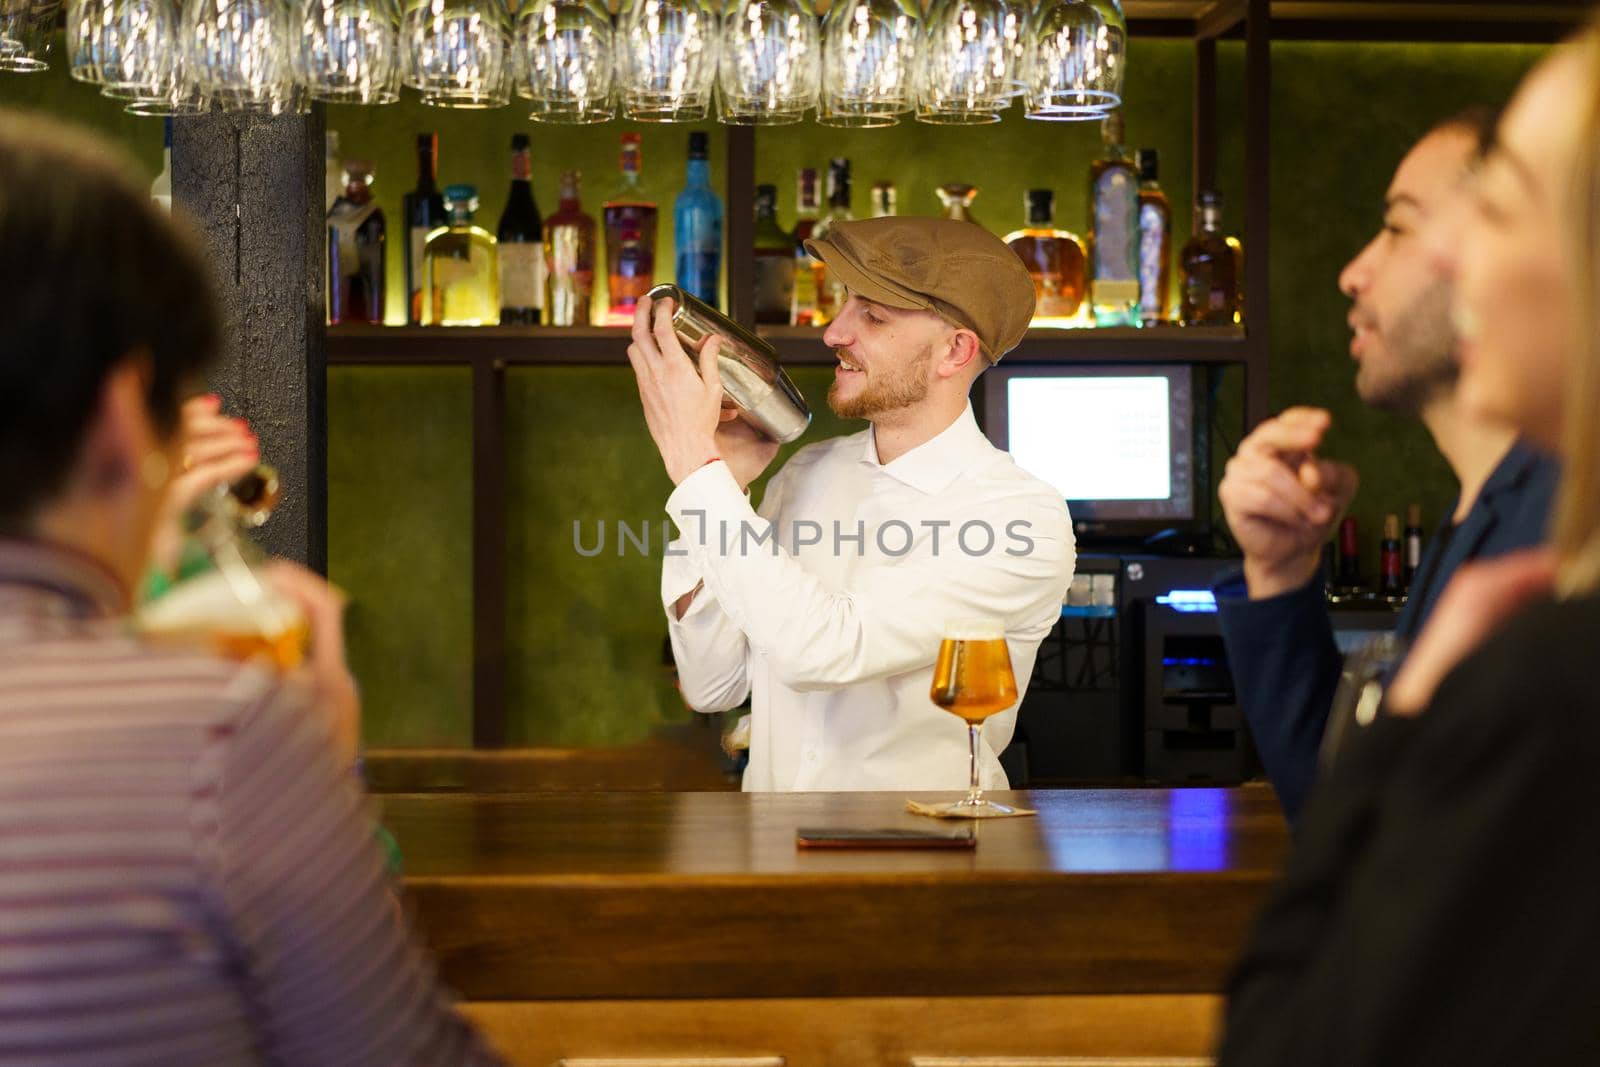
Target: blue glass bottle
[{"x": 697, "y": 227}]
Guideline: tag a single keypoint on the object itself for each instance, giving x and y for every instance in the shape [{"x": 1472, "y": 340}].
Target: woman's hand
[
  {"x": 217, "y": 450},
  {"x": 325, "y": 666},
  {"x": 1478, "y": 599}
]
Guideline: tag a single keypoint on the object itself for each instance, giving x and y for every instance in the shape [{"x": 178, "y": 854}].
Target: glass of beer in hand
[{"x": 972, "y": 680}]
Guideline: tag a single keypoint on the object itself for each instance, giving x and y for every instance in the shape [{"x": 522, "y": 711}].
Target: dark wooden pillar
[{"x": 254, "y": 185}]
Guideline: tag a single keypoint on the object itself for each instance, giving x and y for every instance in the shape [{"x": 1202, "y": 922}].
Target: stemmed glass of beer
[{"x": 972, "y": 680}]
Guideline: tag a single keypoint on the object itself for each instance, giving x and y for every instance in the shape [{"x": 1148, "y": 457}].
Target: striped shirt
[{"x": 186, "y": 875}]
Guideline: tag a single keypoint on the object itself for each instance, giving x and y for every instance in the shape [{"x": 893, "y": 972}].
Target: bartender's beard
[{"x": 885, "y": 389}]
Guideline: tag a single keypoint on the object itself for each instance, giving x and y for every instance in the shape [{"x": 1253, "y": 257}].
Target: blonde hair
[{"x": 1576, "y": 531}]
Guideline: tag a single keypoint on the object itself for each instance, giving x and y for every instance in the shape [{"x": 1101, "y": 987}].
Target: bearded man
[
  {"x": 827, "y": 606},
  {"x": 1282, "y": 499}
]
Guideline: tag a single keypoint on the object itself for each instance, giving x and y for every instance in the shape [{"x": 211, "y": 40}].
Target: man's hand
[
  {"x": 681, "y": 408},
  {"x": 746, "y": 450},
  {"x": 217, "y": 450},
  {"x": 1282, "y": 502},
  {"x": 325, "y": 668},
  {"x": 1478, "y": 599}
]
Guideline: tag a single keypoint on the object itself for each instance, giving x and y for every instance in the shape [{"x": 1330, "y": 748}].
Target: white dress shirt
[{"x": 834, "y": 635}]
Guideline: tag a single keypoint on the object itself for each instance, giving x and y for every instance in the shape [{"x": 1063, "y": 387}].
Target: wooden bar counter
[{"x": 656, "y": 929}]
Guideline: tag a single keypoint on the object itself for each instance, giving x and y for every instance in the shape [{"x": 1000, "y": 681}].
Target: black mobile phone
[{"x": 835, "y": 837}]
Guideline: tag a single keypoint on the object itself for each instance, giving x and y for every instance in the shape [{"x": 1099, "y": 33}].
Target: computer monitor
[{"x": 1120, "y": 443}]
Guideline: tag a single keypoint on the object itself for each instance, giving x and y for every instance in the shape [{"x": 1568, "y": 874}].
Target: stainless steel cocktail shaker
[{"x": 751, "y": 376}]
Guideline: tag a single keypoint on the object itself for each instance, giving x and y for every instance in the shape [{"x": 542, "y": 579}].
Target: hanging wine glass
[
  {"x": 349, "y": 50},
  {"x": 239, "y": 51},
  {"x": 1077, "y": 61},
  {"x": 869, "y": 62},
  {"x": 771, "y": 62},
  {"x": 966, "y": 67},
  {"x": 564, "y": 60},
  {"x": 137, "y": 47},
  {"x": 458, "y": 52},
  {"x": 666, "y": 60},
  {"x": 83, "y": 22},
  {"x": 26, "y": 35}
]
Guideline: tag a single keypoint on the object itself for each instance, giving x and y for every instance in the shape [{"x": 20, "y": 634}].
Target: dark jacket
[
  {"x": 1439, "y": 907},
  {"x": 1282, "y": 652}
]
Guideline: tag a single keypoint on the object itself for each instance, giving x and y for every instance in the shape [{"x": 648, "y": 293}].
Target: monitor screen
[{"x": 1117, "y": 442}]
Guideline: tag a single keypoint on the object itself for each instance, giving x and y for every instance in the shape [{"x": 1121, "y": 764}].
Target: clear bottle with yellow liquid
[{"x": 460, "y": 267}]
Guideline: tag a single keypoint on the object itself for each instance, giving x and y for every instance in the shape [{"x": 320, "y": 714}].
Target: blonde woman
[{"x": 1442, "y": 905}]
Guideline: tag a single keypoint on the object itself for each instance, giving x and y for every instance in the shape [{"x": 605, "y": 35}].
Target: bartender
[{"x": 827, "y": 605}]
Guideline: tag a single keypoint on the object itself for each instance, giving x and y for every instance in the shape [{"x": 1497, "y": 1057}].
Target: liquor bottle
[
  {"x": 1391, "y": 582},
  {"x": 803, "y": 308},
  {"x": 957, "y": 198},
  {"x": 569, "y": 258},
  {"x": 697, "y": 227},
  {"x": 774, "y": 263},
  {"x": 332, "y": 171},
  {"x": 520, "y": 246},
  {"x": 1155, "y": 242},
  {"x": 161, "y": 188},
  {"x": 883, "y": 200},
  {"x": 356, "y": 242},
  {"x": 1114, "y": 231},
  {"x": 830, "y": 292},
  {"x": 1055, "y": 260},
  {"x": 1413, "y": 544},
  {"x": 630, "y": 222},
  {"x": 424, "y": 212},
  {"x": 1349, "y": 555},
  {"x": 1210, "y": 266},
  {"x": 460, "y": 267}
]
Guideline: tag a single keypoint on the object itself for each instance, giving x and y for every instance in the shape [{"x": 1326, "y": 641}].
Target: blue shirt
[{"x": 1281, "y": 649}]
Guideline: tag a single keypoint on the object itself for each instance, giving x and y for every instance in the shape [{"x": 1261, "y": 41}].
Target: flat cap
[{"x": 958, "y": 269}]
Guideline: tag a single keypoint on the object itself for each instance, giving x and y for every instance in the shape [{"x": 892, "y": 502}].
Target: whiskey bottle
[
  {"x": 1391, "y": 580},
  {"x": 830, "y": 292},
  {"x": 356, "y": 242},
  {"x": 1413, "y": 544},
  {"x": 1210, "y": 269},
  {"x": 423, "y": 208},
  {"x": 1349, "y": 557},
  {"x": 161, "y": 188},
  {"x": 883, "y": 200},
  {"x": 569, "y": 258},
  {"x": 1054, "y": 258},
  {"x": 1155, "y": 242},
  {"x": 774, "y": 261},
  {"x": 957, "y": 198},
  {"x": 520, "y": 238},
  {"x": 630, "y": 222},
  {"x": 1114, "y": 231},
  {"x": 460, "y": 266},
  {"x": 803, "y": 307}
]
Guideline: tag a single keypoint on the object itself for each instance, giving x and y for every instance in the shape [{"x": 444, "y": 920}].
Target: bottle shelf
[{"x": 797, "y": 345}]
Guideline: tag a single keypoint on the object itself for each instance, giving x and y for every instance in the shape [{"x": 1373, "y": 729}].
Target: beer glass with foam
[{"x": 229, "y": 607}]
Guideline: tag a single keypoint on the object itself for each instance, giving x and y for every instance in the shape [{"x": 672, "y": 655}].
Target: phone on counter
[{"x": 835, "y": 837}]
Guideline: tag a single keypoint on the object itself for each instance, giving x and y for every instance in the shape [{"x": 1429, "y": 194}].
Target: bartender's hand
[
  {"x": 746, "y": 450},
  {"x": 1478, "y": 599},
  {"x": 682, "y": 408},
  {"x": 1282, "y": 501}
]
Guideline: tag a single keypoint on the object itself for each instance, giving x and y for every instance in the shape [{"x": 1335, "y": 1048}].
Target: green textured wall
[{"x": 586, "y": 633}]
